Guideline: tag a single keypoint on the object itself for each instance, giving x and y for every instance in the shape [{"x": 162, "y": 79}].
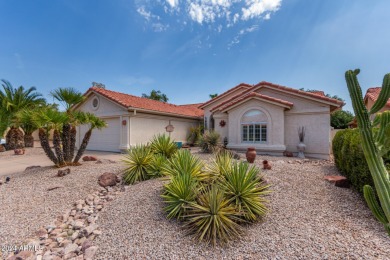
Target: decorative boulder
[
  {"x": 2, "y": 148},
  {"x": 62, "y": 173},
  {"x": 89, "y": 158},
  {"x": 339, "y": 181},
  {"x": 19, "y": 151},
  {"x": 108, "y": 179},
  {"x": 32, "y": 167}
]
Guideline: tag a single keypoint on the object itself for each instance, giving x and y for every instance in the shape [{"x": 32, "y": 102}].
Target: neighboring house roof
[
  {"x": 373, "y": 94},
  {"x": 242, "y": 86},
  {"x": 134, "y": 102},
  {"x": 318, "y": 95},
  {"x": 251, "y": 95}
]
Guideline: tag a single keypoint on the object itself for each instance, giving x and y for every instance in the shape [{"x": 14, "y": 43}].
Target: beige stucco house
[
  {"x": 134, "y": 120},
  {"x": 267, "y": 116}
]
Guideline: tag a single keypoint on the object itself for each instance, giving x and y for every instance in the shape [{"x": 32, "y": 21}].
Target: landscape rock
[
  {"x": 32, "y": 167},
  {"x": 85, "y": 245},
  {"x": 62, "y": 173},
  {"x": 70, "y": 248},
  {"x": 288, "y": 154},
  {"x": 19, "y": 151},
  {"x": 90, "y": 252},
  {"x": 2, "y": 148},
  {"x": 108, "y": 179},
  {"x": 89, "y": 158},
  {"x": 339, "y": 181}
]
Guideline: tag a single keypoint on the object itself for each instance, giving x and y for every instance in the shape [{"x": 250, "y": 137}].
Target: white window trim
[{"x": 261, "y": 132}]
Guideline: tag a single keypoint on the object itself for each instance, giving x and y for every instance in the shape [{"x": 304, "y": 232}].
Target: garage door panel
[{"x": 106, "y": 139}]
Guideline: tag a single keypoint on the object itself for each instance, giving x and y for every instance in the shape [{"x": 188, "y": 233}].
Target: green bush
[
  {"x": 164, "y": 145},
  {"x": 349, "y": 158},
  {"x": 137, "y": 161}
]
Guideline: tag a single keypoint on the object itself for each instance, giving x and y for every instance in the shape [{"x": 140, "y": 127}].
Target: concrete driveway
[{"x": 17, "y": 164}]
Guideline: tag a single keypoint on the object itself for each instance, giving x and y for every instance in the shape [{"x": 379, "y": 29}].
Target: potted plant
[{"x": 301, "y": 146}]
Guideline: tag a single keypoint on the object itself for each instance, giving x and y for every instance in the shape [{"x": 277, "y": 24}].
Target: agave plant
[
  {"x": 163, "y": 144},
  {"x": 212, "y": 217},
  {"x": 183, "y": 162},
  {"x": 178, "y": 193},
  {"x": 156, "y": 165},
  {"x": 245, "y": 190},
  {"x": 137, "y": 161}
]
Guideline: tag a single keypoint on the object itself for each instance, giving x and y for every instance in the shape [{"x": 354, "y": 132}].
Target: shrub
[
  {"x": 209, "y": 141},
  {"x": 195, "y": 133},
  {"x": 245, "y": 190},
  {"x": 220, "y": 165},
  {"x": 350, "y": 160},
  {"x": 212, "y": 217},
  {"x": 137, "y": 161},
  {"x": 156, "y": 165},
  {"x": 163, "y": 144}
]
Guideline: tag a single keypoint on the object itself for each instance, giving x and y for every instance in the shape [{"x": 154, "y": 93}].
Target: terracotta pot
[{"x": 251, "y": 154}]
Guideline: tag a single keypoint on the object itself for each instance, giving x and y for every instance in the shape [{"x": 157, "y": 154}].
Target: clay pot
[
  {"x": 266, "y": 165},
  {"x": 251, "y": 154}
]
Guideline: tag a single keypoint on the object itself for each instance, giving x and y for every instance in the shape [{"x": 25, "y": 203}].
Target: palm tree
[
  {"x": 94, "y": 123},
  {"x": 13, "y": 100},
  {"x": 68, "y": 97}
]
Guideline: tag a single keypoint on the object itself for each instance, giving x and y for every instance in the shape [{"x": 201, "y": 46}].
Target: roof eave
[{"x": 162, "y": 113}]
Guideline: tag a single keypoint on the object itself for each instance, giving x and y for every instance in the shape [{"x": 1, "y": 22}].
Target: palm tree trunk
[
  {"x": 73, "y": 133},
  {"x": 28, "y": 140},
  {"x": 66, "y": 142},
  {"x": 83, "y": 146},
  {"x": 46, "y": 146},
  {"x": 15, "y": 139},
  {"x": 57, "y": 147}
]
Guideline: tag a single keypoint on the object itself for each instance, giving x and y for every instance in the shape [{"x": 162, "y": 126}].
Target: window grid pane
[
  {"x": 257, "y": 133},
  {"x": 250, "y": 133},
  {"x": 254, "y": 133},
  {"x": 264, "y": 133},
  {"x": 245, "y": 133}
]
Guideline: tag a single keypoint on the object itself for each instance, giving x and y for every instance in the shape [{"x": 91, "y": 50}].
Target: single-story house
[
  {"x": 267, "y": 116},
  {"x": 134, "y": 120}
]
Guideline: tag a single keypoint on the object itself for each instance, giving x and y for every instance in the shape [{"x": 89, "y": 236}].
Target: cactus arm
[
  {"x": 384, "y": 95},
  {"x": 369, "y": 196},
  {"x": 382, "y": 137},
  {"x": 374, "y": 160}
]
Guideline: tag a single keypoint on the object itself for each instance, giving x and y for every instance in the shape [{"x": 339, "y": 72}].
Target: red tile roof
[
  {"x": 255, "y": 95},
  {"x": 315, "y": 95},
  {"x": 241, "y": 85},
  {"x": 373, "y": 94},
  {"x": 130, "y": 101}
]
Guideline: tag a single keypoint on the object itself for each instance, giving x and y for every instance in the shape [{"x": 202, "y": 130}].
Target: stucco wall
[
  {"x": 223, "y": 131},
  {"x": 144, "y": 126},
  {"x": 106, "y": 107},
  {"x": 275, "y": 127}
]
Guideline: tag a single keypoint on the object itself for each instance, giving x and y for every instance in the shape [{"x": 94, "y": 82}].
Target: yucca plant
[
  {"x": 220, "y": 165},
  {"x": 209, "y": 141},
  {"x": 178, "y": 193},
  {"x": 137, "y": 161},
  {"x": 163, "y": 144},
  {"x": 245, "y": 189},
  {"x": 212, "y": 217},
  {"x": 156, "y": 165},
  {"x": 183, "y": 162}
]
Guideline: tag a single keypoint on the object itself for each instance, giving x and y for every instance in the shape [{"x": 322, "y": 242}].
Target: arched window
[{"x": 254, "y": 126}]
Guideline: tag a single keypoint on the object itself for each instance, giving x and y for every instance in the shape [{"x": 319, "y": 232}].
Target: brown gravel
[{"x": 308, "y": 219}]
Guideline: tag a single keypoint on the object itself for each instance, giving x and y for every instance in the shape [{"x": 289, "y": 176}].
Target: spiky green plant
[
  {"x": 209, "y": 141},
  {"x": 183, "y": 162},
  {"x": 246, "y": 190},
  {"x": 374, "y": 146},
  {"x": 137, "y": 161},
  {"x": 220, "y": 165},
  {"x": 212, "y": 217},
  {"x": 156, "y": 165},
  {"x": 163, "y": 144},
  {"x": 178, "y": 193}
]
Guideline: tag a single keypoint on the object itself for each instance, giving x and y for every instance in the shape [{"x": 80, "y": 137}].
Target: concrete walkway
[{"x": 17, "y": 164}]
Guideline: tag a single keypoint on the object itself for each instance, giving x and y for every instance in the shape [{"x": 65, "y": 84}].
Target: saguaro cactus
[{"x": 374, "y": 145}]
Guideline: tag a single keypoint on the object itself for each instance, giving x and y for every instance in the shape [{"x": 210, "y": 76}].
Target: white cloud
[
  {"x": 256, "y": 8},
  {"x": 173, "y": 3},
  {"x": 267, "y": 16},
  {"x": 147, "y": 15}
]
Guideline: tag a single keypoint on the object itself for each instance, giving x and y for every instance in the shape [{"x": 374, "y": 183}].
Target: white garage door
[{"x": 107, "y": 139}]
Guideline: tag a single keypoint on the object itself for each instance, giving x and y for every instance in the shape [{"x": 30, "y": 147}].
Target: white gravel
[
  {"x": 26, "y": 204},
  {"x": 308, "y": 219}
]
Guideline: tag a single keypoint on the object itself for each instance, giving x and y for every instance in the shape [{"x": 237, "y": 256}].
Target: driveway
[{"x": 16, "y": 164}]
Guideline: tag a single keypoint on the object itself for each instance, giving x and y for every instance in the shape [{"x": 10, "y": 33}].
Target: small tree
[
  {"x": 156, "y": 95},
  {"x": 213, "y": 95},
  {"x": 340, "y": 119}
]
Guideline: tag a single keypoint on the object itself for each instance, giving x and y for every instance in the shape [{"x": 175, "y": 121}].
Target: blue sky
[{"x": 189, "y": 49}]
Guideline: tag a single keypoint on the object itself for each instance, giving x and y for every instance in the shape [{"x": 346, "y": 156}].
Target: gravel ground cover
[
  {"x": 27, "y": 204},
  {"x": 308, "y": 219},
  {"x": 28, "y": 152}
]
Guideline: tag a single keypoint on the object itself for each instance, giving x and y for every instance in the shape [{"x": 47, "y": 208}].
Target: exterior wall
[
  {"x": 314, "y": 116},
  {"x": 145, "y": 126},
  {"x": 275, "y": 127},
  {"x": 223, "y": 131},
  {"x": 369, "y": 105}
]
